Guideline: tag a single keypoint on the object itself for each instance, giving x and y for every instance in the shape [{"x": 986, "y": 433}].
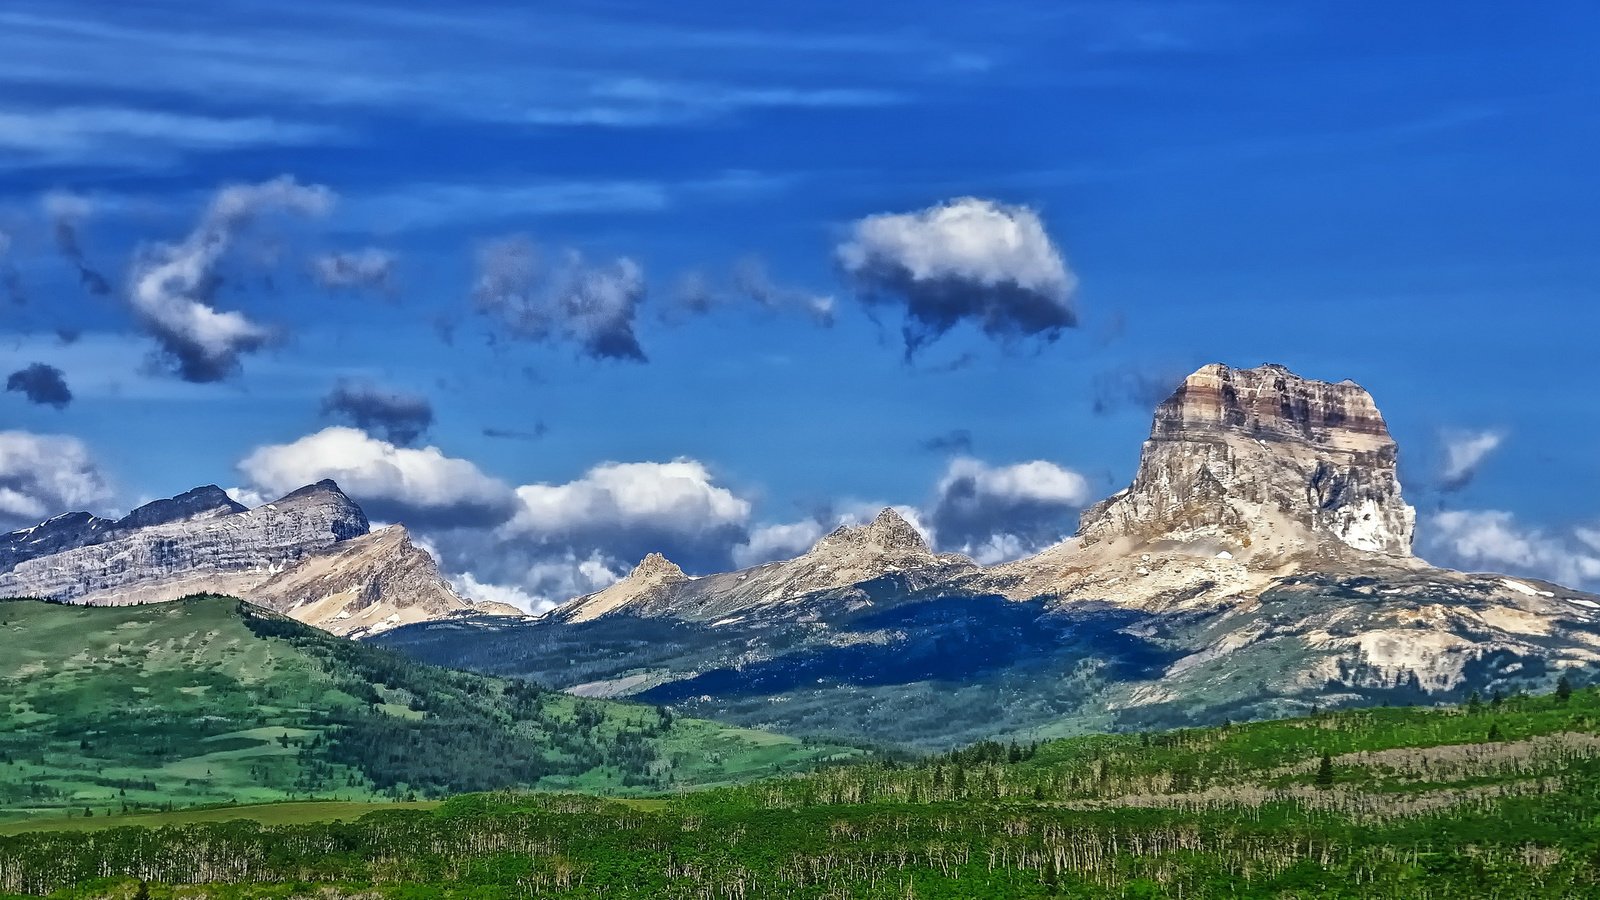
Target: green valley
[{"x": 106, "y": 711}]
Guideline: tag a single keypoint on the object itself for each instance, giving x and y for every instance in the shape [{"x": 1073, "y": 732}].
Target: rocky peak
[
  {"x": 888, "y": 534},
  {"x": 323, "y": 504},
  {"x": 656, "y": 569},
  {"x": 1262, "y": 458},
  {"x": 201, "y": 502}
]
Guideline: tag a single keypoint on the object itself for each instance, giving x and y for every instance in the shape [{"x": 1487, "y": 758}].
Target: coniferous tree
[{"x": 1325, "y": 772}]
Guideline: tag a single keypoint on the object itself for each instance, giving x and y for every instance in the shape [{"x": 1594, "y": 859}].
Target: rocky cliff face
[
  {"x": 830, "y": 574},
  {"x": 309, "y": 554},
  {"x": 1248, "y": 457}
]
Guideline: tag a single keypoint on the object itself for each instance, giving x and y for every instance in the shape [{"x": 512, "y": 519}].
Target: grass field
[{"x": 1499, "y": 798}]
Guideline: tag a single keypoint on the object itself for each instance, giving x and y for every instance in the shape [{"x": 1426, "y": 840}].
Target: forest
[{"x": 1497, "y": 797}]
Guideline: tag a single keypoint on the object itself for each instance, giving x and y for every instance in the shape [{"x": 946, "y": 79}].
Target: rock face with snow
[
  {"x": 836, "y": 571},
  {"x": 310, "y": 554}
]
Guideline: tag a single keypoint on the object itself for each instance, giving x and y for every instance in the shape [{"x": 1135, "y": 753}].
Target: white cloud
[
  {"x": 43, "y": 475},
  {"x": 1590, "y": 537},
  {"x": 473, "y": 589},
  {"x": 784, "y": 540},
  {"x": 678, "y": 497},
  {"x": 420, "y": 487},
  {"x": 171, "y": 285},
  {"x": 99, "y": 133},
  {"x": 1494, "y": 539},
  {"x": 1464, "y": 453},
  {"x": 996, "y": 513},
  {"x": 968, "y": 259}
]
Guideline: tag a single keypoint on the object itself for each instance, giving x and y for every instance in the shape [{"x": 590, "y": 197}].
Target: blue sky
[{"x": 1402, "y": 194}]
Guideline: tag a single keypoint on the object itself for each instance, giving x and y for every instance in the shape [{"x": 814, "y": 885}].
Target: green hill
[
  {"x": 208, "y": 700},
  {"x": 1497, "y": 798}
]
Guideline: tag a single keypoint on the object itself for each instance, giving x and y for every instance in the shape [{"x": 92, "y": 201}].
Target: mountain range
[
  {"x": 311, "y": 554},
  {"x": 1260, "y": 564}
]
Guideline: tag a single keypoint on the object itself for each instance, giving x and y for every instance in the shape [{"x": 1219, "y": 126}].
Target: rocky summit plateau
[
  {"x": 310, "y": 554},
  {"x": 1260, "y": 564}
]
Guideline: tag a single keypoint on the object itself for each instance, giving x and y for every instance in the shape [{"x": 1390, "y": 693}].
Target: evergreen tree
[
  {"x": 1325, "y": 772},
  {"x": 1564, "y": 689}
]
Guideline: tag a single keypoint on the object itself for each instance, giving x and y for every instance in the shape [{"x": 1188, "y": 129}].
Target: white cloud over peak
[
  {"x": 678, "y": 496},
  {"x": 997, "y": 513},
  {"x": 421, "y": 486},
  {"x": 43, "y": 475}
]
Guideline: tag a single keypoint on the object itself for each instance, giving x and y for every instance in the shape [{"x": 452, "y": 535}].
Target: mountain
[
  {"x": 310, "y": 554},
  {"x": 1259, "y": 565},
  {"x": 211, "y": 700},
  {"x": 835, "y": 569}
]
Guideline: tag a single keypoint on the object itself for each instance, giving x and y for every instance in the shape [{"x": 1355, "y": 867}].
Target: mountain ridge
[{"x": 311, "y": 553}]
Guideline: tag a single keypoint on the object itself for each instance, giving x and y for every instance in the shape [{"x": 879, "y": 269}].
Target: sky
[{"x": 556, "y": 285}]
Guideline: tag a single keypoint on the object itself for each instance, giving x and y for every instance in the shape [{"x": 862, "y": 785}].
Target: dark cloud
[
  {"x": 592, "y": 306},
  {"x": 538, "y": 431},
  {"x": 67, "y": 213},
  {"x": 173, "y": 287},
  {"x": 1139, "y": 388},
  {"x": 956, "y": 441},
  {"x": 397, "y": 416},
  {"x": 41, "y": 384},
  {"x": 748, "y": 285},
  {"x": 967, "y": 260},
  {"x": 10, "y": 278},
  {"x": 367, "y": 269}
]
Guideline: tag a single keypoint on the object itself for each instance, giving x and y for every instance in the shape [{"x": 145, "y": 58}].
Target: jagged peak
[
  {"x": 324, "y": 488},
  {"x": 657, "y": 569},
  {"x": 889, "y": 531},
  {"x": 200, "y": 502}
]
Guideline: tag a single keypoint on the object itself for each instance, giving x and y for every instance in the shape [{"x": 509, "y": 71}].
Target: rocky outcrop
[
  {"x": 310, "y": 554},
  {"x": 651, "y": 573},
  {"x": 1242, "y": 457},
  {"x": 206, "y": 502},
  {"x": 81, "y": 529},
  {"x": 835, "y": 573}
]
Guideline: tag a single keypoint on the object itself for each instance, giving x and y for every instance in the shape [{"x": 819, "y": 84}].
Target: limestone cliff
[{"x": 1248, "y": 456}]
